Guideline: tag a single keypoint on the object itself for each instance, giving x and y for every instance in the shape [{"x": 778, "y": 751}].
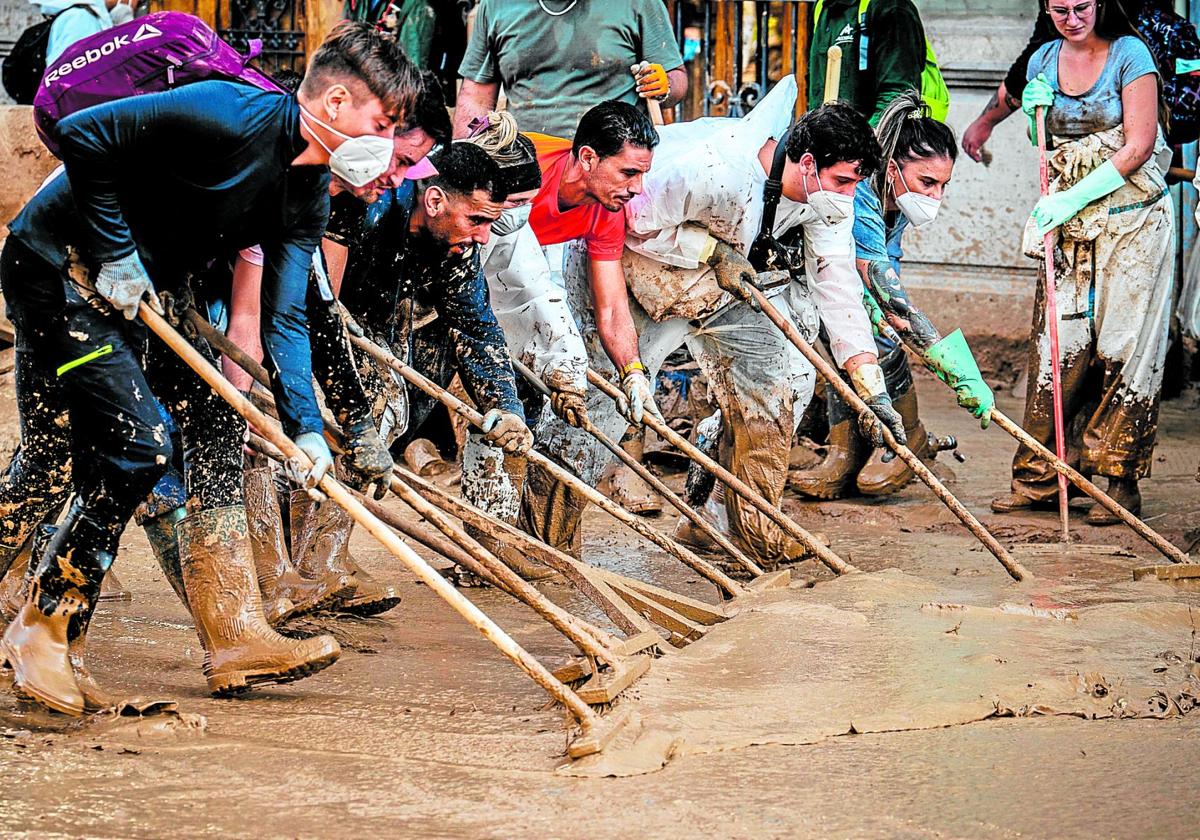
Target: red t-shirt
[{"x": 603, "y": 230}]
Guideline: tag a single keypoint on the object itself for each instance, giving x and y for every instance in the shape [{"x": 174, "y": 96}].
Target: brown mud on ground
[{"x": 423, "y": 729}]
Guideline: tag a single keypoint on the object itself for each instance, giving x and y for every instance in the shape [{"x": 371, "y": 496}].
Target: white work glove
[
  {"x": 124, "y": 282},
  {"x": 314, "y": 446},
  {"x": 507, "y": 431},
  {"x": 638, "y": 399}
]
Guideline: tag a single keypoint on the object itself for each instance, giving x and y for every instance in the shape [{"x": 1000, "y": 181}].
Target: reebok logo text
[{"x": 145, "y": 32}]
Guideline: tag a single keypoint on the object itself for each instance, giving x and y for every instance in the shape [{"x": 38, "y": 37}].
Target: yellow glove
[{"x": 652, "y": 81}]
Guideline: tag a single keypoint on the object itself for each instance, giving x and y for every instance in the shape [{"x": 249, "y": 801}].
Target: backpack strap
[
  {"x": 766, "y": 253},
  {"x": 863, "y": 36}
]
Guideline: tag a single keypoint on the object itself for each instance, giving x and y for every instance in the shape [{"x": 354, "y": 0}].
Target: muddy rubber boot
[
  {"x": 284, "y": 592},
  {"x": 240, "y": 648},
  {"x": 62, "y": 594},
  {"x": 160, "y": 533},
  {"x": 1015, "y": 502},
  {"x": 878, "y": 478},
  {"x": 13, "y": 586},
  {"x": 320, "y": 546},
  {"x": 1125, "y": 492},
  {"x": 845, "y": 455},
  {"x": 630, "y": 490}
]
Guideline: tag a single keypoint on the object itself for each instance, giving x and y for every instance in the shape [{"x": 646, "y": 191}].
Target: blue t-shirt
[
  {"x": 874, "y": 239},
  {"x": 1100, "y": 107}
]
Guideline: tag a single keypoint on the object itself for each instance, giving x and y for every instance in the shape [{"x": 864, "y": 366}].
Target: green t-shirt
[{"x": 555, "y": 68}]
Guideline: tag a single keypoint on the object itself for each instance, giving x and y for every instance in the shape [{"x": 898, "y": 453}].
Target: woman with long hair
[
  {"x": 919, "y": 154},
  {"x": 1114, "y": 227}
]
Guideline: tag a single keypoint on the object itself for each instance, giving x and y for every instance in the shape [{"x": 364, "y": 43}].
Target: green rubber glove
[
  {"x": 953, "y": 363},
  {"x": 878, "y": 320},
  {"x": 1060, "y": 207},
  {"x": 1038, "y": 94}
]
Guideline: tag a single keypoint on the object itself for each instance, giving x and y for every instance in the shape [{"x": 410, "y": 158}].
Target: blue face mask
[{"x": 691, "y": 48}]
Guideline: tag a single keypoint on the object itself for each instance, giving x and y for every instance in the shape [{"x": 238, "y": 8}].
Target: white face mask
[
  {"x": 830, "y": 206},
  {"x": 121, "y": 13},
  {"x": 512, "y": 220},
  {"x": 357, "y": 160},
  {"x": 919, "y": 209}
]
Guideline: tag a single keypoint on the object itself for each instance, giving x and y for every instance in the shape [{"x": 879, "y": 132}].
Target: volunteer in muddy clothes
[
  {"x": 586, "y": 183},
  {"x": 1114, "y": 225},
  {"x": 264, "y": 179},
  {"x": 415, "y": 252},
  {"x": 919, "y": 152}
]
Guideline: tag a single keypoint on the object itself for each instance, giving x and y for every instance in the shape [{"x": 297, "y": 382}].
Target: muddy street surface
[{"x": 930, "y": 697}]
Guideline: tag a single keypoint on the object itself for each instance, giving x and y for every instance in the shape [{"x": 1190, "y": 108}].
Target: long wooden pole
[
  {"x": 654, "y": 481},
  {"x": 702, "y": 567},
  {"x": 1168, "y": 550},
  {"x": 337, "y": 493},
  {"x": 1013, "y": 567},
  {"x": 753, "y": 497},
  {"x": 1051, "y": 313}
]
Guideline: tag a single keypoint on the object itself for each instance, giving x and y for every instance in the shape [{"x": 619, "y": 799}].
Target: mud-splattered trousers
[
  {"x": 1114, "y": 297},
  {"x": 87, "y": 359},
  {"x": 754, "y": 374}
]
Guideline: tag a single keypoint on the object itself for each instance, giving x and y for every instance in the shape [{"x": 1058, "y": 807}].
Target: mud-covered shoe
[
  {"x": 14, "y": 585},
  {"x": 94, "y": 697},
  {"x": 1125, "y": 493},
  {"x": 240, "y": 648},
  {"x": 321, "y": 546},
  {"x": 1016, "y": 502},
  {"x": 63, "y": 591},
  {"x": 835, "y": 475},
  {"x": 285, "y": 592}
]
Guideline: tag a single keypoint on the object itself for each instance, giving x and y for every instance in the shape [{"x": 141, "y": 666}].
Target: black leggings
[{"x": 86, "y": 359}]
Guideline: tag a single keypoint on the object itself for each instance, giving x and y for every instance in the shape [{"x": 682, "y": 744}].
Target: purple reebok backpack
[{"x": 153, "y": 53}]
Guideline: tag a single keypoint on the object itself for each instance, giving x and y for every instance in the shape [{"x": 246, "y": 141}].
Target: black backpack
[
  {"x": 26, "y": 64},
  {"x": 1172, "y": 37}
]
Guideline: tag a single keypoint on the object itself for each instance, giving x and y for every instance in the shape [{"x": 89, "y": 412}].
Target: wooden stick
[
  {"x": 579, "y": 574},
  {"x": 271, "y": 431},
  {"x": 654, "y": 481},
  {"x": 1077, "y": 478},
  {"x": 702, "y": 567},
  {"x": 1060, "y": 441},
  {"x": 1013, "y": 567},
  {"x": 753, "y": 497},
  {"x": 833, "y": 73}
]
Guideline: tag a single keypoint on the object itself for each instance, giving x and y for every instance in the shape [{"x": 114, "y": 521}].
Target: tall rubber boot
[
  {"x": 320, "y": 546},
  {"x": 13, "y": 586},
  {"x": 285, "y": 593},
  {"x": 494, "y": 482},
  {"x": 160, "y": 532},
  {"x": 240, "y": 648},
  {"x": 62, "y": 595},
  {"x": 713, "y": 512},
  {"x": 877, "y": 478},
  {"x": 845, "y": 455}
]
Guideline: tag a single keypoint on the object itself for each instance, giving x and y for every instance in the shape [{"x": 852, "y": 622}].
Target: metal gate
[
  {"x": 745, "y": 46},
  {"x": 278, "y": 23}
]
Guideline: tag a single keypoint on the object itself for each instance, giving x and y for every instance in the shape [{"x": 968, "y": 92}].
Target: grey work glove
[
  {"x": 733, "y": 272},
  {"x": 123, "y": 282},
  {"x": 368, "y": 454},
  {"x": 882, "y": 414},
  {"x": 638, "y": 398},
  {"x": 314, "y": 446},
  {"x": 507, "y": 431},
  {"x": 567, "y": 398}
]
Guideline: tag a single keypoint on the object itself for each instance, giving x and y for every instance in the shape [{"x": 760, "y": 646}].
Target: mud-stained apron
[{"x": 1114, "y": 274}]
